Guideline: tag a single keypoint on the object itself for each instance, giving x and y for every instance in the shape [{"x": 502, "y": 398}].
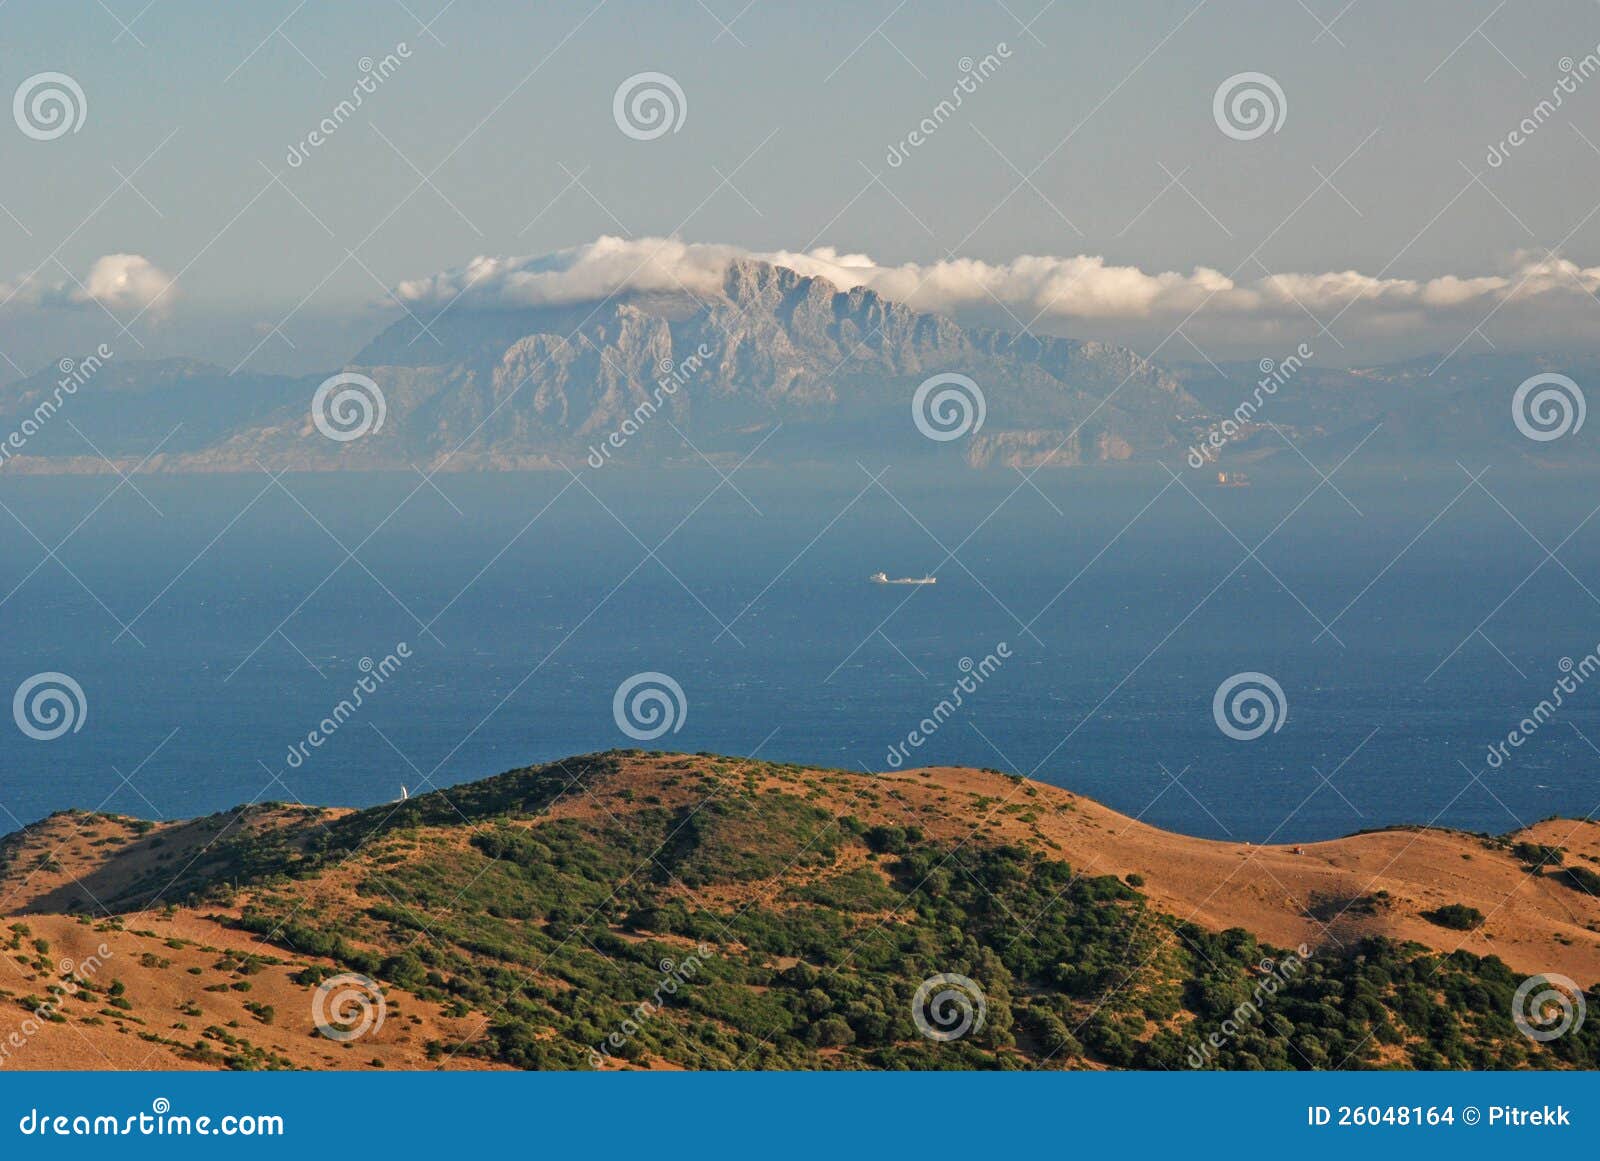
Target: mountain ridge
[
  {"x": 524, "y": 921},
  {"x": 776, "y": 361}
]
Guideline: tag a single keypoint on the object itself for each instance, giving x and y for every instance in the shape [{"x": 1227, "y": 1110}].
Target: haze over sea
[{"x": 1122, "y": 600}]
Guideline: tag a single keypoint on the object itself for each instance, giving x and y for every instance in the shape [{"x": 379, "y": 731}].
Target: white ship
[{"x": 883, "y": 578}]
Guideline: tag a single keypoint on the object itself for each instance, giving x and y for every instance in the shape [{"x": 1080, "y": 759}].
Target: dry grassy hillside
[{"x": 522, "y": 921}]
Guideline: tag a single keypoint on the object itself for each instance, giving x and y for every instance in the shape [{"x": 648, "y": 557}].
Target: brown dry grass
[{"x": 1322, "y": 894}]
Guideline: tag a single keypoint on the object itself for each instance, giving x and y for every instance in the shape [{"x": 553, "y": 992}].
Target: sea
[{"x": 333, "y": 638}]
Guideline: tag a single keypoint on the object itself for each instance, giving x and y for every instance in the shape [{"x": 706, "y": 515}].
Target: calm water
[{"x": 245, "y": 645}]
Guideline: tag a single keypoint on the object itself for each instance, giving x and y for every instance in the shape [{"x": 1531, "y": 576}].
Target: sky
[{"x": 1088, "y": 184}]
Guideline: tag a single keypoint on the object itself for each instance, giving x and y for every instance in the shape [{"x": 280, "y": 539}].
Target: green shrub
[{"x": 1455, "y": 916}]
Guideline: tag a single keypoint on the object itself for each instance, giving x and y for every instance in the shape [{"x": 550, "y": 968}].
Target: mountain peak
[{"x": 751, "y": 278}]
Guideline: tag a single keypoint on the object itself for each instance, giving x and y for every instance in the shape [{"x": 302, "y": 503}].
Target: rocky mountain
[
  {"x": 838, "y": 370},
  {"x": 667, "y": 375},
  {"x": 1425, "y": 412},
  {"x": 774, "y": 360}
]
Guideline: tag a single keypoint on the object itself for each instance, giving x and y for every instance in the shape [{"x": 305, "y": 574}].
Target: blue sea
[{"x": 213, "y": 623}]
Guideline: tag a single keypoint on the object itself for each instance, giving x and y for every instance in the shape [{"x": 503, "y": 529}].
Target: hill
[{"x": 672, "y": 911}]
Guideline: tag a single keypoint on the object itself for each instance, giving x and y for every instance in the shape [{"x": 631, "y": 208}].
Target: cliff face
[
  {"x": 775, "y": 359},
  {"x": 530, "y": 387},
  {"x": 773, "y": 347}
]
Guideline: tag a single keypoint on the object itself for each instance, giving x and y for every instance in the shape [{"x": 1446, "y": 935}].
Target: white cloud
[
  {"x": 125, "y": 282},
  {"x": 1081, "y": 294},
  {"x": 581, "y": 274},
  {"x": 122, "y": 283}
]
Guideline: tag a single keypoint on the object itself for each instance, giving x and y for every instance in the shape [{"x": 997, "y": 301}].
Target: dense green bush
[{"x": 1456, "y": 916}]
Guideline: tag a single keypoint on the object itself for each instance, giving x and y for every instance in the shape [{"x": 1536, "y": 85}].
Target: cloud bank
[
  {"x": 1081, "y": 294},
  {"x": 122, "y": 283}
]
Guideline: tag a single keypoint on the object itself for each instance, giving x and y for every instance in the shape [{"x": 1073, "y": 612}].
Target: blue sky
[{"x": 506, "y": 110}]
